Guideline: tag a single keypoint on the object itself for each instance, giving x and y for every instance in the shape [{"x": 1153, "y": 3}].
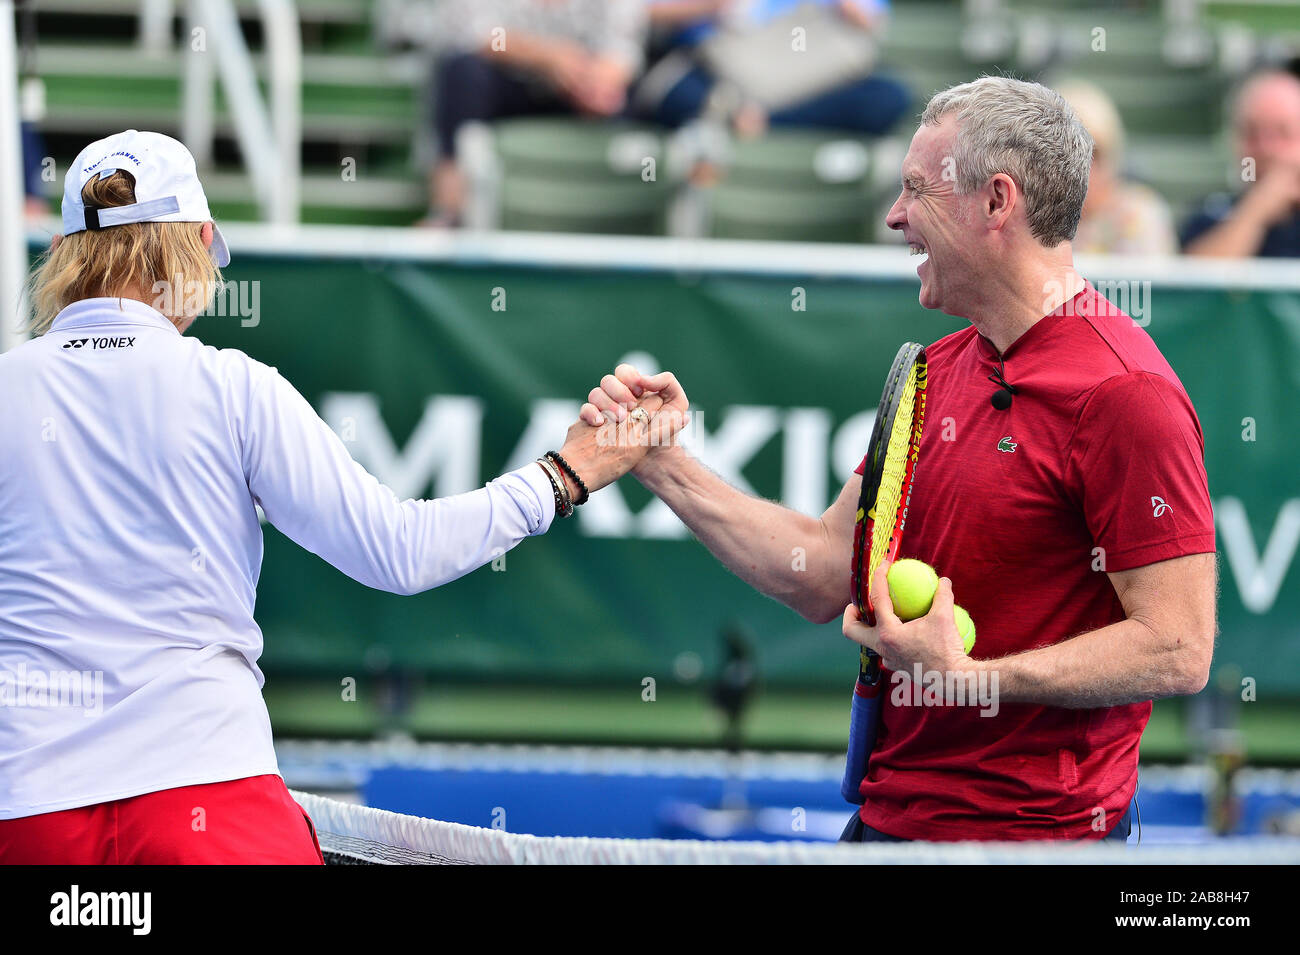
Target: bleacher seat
[
  {"x": 561, "y": 174},
  {"x": 358, "y": 103},
  {"x": 795, "y": 186},
  {"x": 367, "y": 104}
]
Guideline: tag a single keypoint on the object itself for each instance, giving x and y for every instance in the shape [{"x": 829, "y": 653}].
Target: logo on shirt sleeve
[{"x": 1159, "y": 508}]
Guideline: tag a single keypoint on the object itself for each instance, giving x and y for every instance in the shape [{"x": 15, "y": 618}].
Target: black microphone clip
[{"x": 1001, "y": 399}]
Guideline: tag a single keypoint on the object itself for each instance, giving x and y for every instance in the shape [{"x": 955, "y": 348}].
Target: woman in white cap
[{"x": 135, "y": 459}]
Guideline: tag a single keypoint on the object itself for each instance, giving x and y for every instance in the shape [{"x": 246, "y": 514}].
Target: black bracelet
[{"x": 564, "y": 466}]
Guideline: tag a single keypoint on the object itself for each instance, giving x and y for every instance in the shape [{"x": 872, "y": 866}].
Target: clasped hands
[{"x": 610, "y": 438}]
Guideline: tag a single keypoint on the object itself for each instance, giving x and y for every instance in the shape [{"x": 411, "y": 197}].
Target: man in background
[{"x": 1264, "y": 219}]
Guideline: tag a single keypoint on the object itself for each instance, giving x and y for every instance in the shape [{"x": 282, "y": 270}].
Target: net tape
[{"x": 360, "y": 835}]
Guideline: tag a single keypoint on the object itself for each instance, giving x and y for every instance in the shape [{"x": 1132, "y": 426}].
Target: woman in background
[{"x": 1120, "y": 217}]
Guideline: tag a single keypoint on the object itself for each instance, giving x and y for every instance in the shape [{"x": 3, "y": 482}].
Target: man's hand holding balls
[
  {"x": 912, "y": 586},
  {"x": 934, "y": 633}
]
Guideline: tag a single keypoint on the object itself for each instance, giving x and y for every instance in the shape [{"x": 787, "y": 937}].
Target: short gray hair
[{"x": 1028, "y": 132}]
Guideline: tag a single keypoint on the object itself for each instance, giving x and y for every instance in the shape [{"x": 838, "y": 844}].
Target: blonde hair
[
  {"x": 164, "y": 259},
  {"x": 1097, "y": 111}
]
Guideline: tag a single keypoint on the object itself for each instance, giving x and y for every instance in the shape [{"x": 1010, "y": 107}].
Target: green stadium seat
[
  {"x": 1178, "y": 103},
  {"x": 1266, "y": 17},
  {"x": 362, "y": 103},
  {"x": 1165, "y": 79},
  {"x": 794, "y": 215},
  {"x": 358, "y": 103},
  {"x": 572, "y": 205},
  {"x": 609, "y": 150},
  {"x": 806, "y": 159},
  {"x": 795, "y": 186},
  {"x": 921, "y": 31},
  {"x": 573, "y": 175},
  {"x": 930, "y": 47},
  {"x": 1132, "y": 40}
]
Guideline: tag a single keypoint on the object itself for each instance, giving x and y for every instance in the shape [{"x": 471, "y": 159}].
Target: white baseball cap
[{"x": 167, "y": 187}]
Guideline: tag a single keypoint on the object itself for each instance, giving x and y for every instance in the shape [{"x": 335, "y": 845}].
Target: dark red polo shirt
[{"x": 1097, "y": 466}]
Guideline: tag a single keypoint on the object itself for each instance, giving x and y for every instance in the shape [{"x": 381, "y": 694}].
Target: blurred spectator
[
  {"x": 1120, "y": 217},
  {"x": 33, "y": 149},
  {"x": 499, "y": 58},
  {"x": 31, "y": 110},
  {"x": 680, "y": 86},
  {"x": 1263, "y": 219}
]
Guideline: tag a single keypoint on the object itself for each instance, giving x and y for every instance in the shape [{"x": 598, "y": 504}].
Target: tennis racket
[{"x": 882, "y": 512}]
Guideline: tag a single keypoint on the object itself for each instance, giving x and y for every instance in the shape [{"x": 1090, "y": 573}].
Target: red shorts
[{"x": 251, "y": 821}]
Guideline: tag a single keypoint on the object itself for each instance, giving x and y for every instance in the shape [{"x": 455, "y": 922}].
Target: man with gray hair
[{"x": 1067, "y": 503}]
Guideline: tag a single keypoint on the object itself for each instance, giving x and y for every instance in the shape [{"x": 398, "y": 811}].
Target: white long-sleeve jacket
[{"x": 132, "y": 460}]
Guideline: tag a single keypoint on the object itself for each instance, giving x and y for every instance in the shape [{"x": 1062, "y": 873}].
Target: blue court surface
[{"x": 642, "y": 794}]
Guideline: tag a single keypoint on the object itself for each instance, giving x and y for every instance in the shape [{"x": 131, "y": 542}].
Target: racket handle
[
  {"x": 864, "y": 720},
  {"x": 868, "y": 667}
]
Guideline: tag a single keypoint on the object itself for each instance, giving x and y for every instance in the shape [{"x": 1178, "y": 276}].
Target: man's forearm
[
  {"x": 1126, "y": 662},
  {"x": 1237, "y": 237},
  {"x": 675, "y": 12},
  {"x": 533, "y": 53},
  {"x": 780, "y": 552}
]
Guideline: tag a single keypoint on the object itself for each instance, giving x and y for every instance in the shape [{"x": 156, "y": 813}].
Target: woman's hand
[
  {"x": 618, "y": 395},
  {"x": 602, "y": 446}
]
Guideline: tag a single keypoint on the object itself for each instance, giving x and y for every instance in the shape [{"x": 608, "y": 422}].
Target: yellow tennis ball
[
  {"x": 912, "y": 586},
  {"x": 965, "y": 626}
]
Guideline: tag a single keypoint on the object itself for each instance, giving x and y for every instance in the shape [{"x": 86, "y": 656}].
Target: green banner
[{"x": 442, "y": 374}]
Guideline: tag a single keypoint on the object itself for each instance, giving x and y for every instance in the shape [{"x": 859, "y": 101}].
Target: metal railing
[
  {"x": 13, "y": 247},
  {"x": 269, "y": 140}
]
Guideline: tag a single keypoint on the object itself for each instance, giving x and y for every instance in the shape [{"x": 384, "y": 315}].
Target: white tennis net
[{"x": 360, "y": 835}]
